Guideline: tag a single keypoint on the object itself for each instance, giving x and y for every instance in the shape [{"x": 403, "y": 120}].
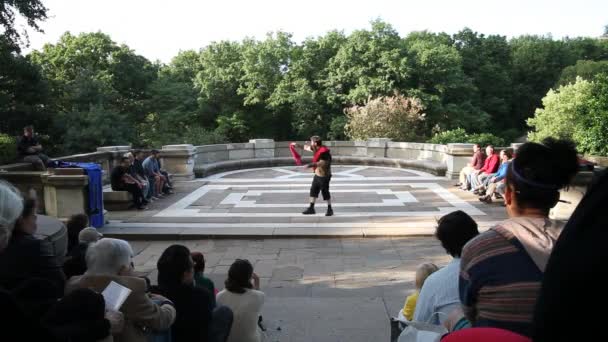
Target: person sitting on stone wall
[
  {"x": 476, "y": 163},
  {"x": 136, "y": 171},
  {"x": 490, "y": 165},
  {"x": 122, "y": 181},
  {"x": 157, "y": 180},
  {"x": 167, "y": 187},
  {"x": 30, "y": 150},
  {"x": 138, "y": 168},
  {"x": 496, "y": 183}
]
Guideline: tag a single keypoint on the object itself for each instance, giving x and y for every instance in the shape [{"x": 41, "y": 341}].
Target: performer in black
[{"x": 321, "y": 166}]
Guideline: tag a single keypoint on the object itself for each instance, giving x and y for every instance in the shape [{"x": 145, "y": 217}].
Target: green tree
[
  {"x": 537, "y": 63},
  {"x": 368, "y": 64},
  {"x": 590, "y": 133},
  {"x": 302, "y": 90},
  {"x": 561, "y": 111},
  {"x": 487, "y": 61},
  {"x": 23, "y": 91},
  {"x": 584, "y": 69},
  {"x": 439, "y": 81},
  {"x": 33, "y": 11},
  {"x": 90, "y": 75}
]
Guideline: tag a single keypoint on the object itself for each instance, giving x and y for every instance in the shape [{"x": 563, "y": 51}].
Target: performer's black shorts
[{"x": 320, "y": 184}]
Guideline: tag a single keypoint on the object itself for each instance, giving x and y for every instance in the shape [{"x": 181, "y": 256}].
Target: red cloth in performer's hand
[{"x": 294, "y": 153}]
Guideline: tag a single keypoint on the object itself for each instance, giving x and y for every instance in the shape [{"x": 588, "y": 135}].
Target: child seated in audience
[
  {"x": 199, "y": 278},
  {"x": 423, "y": 272}
]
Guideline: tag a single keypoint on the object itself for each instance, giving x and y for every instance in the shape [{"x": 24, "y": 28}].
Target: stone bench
[
  {"x": 116, "y": 200},
  {"x": 430, "y": 166}
]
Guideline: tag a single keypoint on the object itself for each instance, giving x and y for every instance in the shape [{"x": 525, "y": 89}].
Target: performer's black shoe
[
  {"x": 330, "y": 212},
  {"x": 309, "y": 211}
]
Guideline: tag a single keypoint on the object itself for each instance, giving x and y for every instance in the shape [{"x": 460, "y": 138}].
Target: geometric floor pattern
[{"x": 367, "y": 200}]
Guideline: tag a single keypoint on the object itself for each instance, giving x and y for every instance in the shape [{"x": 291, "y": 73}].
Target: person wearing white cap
[{"x": 75, "y": 263}]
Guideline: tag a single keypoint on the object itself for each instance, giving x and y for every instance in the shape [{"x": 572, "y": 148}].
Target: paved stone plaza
[
  {"x": 368, "y": 201},
  {"x": 322, "y": 288},
  {"x": 318, "y": 289}
]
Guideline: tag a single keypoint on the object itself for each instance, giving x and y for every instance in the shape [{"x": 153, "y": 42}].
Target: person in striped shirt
[{"x": 501, "y": 269}]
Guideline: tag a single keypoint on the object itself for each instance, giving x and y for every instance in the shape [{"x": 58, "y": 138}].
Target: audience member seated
[
  {"x": 75, "y": 263},
  {"x": 199, "y": 275},
  {"x": 27, "y": 256},
  {"x": 122, "y": 181},
  {"x": 505, "y": 157},
  {"x": 167, "y": 187},
  {"x": 111, "y": 260},
  {"x": 82, "y": 316},
  {"x": 11, "y": 208},
  {"x": 422, "y": 272},
  {"x": 245, "y": 300},
  {"x": 138, "y": 168},
  {"x": 439, "y": 294},
  {"x": 194, "y": 306},
  {"x": 75, "y": 224},
  {"x": 476, "y": 163},
  {"x": 502, "y": 269},
  {"x": 490, "y": 165},
  {"x": 30, "y": 150},
  {"x": 572, "y": 289},
  {"x": 153, "y": 174}
]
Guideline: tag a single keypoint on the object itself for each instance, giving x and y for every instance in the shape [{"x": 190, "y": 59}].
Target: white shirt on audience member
[
  {"x": 247, "y": 308},
  {"x": 439, "y": 294}
]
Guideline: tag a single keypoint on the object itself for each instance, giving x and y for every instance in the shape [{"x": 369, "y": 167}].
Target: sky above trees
[{"x": 160, "y": 29}]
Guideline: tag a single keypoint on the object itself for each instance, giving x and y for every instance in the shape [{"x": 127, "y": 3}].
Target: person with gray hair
[
  {"x": 11, "y": 207},
  {"x": 112, "y": 260}
]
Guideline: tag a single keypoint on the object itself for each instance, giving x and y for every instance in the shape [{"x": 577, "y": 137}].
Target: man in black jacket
[{"x": 30, "y": 150}]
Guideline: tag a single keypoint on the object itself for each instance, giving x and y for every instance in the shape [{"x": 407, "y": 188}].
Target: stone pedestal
[
  {"x": 65, "y": 195},
  {"x": 264, "y": 148},
  {"x": 178, "y": 160},
  {"x": 458, "y": 156}
]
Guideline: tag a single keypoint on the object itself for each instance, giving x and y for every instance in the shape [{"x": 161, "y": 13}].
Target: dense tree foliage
[
  {"x": 577, "y": 111},
  {"x": 86, "y": 90}
]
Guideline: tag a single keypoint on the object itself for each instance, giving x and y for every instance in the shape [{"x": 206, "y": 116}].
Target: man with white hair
[
  {"x": 11, "y": 207},
  {"x": 112, "y": 260}
]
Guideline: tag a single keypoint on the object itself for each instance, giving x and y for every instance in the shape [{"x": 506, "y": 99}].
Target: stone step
[{"x": 193, "y": 231}]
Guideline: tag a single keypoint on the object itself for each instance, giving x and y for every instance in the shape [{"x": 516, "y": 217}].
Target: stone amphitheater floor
[
  {"x": 334, "y": 278},
  {"x": 367, "y": 201}
]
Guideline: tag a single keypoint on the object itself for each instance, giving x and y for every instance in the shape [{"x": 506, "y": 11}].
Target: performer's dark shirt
[{"x": 25, "y": 143}]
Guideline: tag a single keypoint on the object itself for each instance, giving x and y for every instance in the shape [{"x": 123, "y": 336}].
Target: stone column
[
  {"x": 178, "y": 160},
  {"x": 65, "y": 193},
  {"x": 376, "y": 147},
  {"x": 458, "y": 156},
  {"x": 263, "y": 148}
]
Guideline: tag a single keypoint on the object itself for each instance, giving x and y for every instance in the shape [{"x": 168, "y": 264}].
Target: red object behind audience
[{"x": 484, "y": 335}]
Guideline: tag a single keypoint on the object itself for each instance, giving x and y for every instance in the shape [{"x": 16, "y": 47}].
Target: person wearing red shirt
[{"x": 489, "y": 167}]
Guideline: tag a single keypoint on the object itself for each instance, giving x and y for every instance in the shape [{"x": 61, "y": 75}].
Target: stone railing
[{"x": 450, "y": 154}]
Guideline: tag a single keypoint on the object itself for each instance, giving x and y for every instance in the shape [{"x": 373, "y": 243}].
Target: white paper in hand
[{"x": 115, "y": 295}]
